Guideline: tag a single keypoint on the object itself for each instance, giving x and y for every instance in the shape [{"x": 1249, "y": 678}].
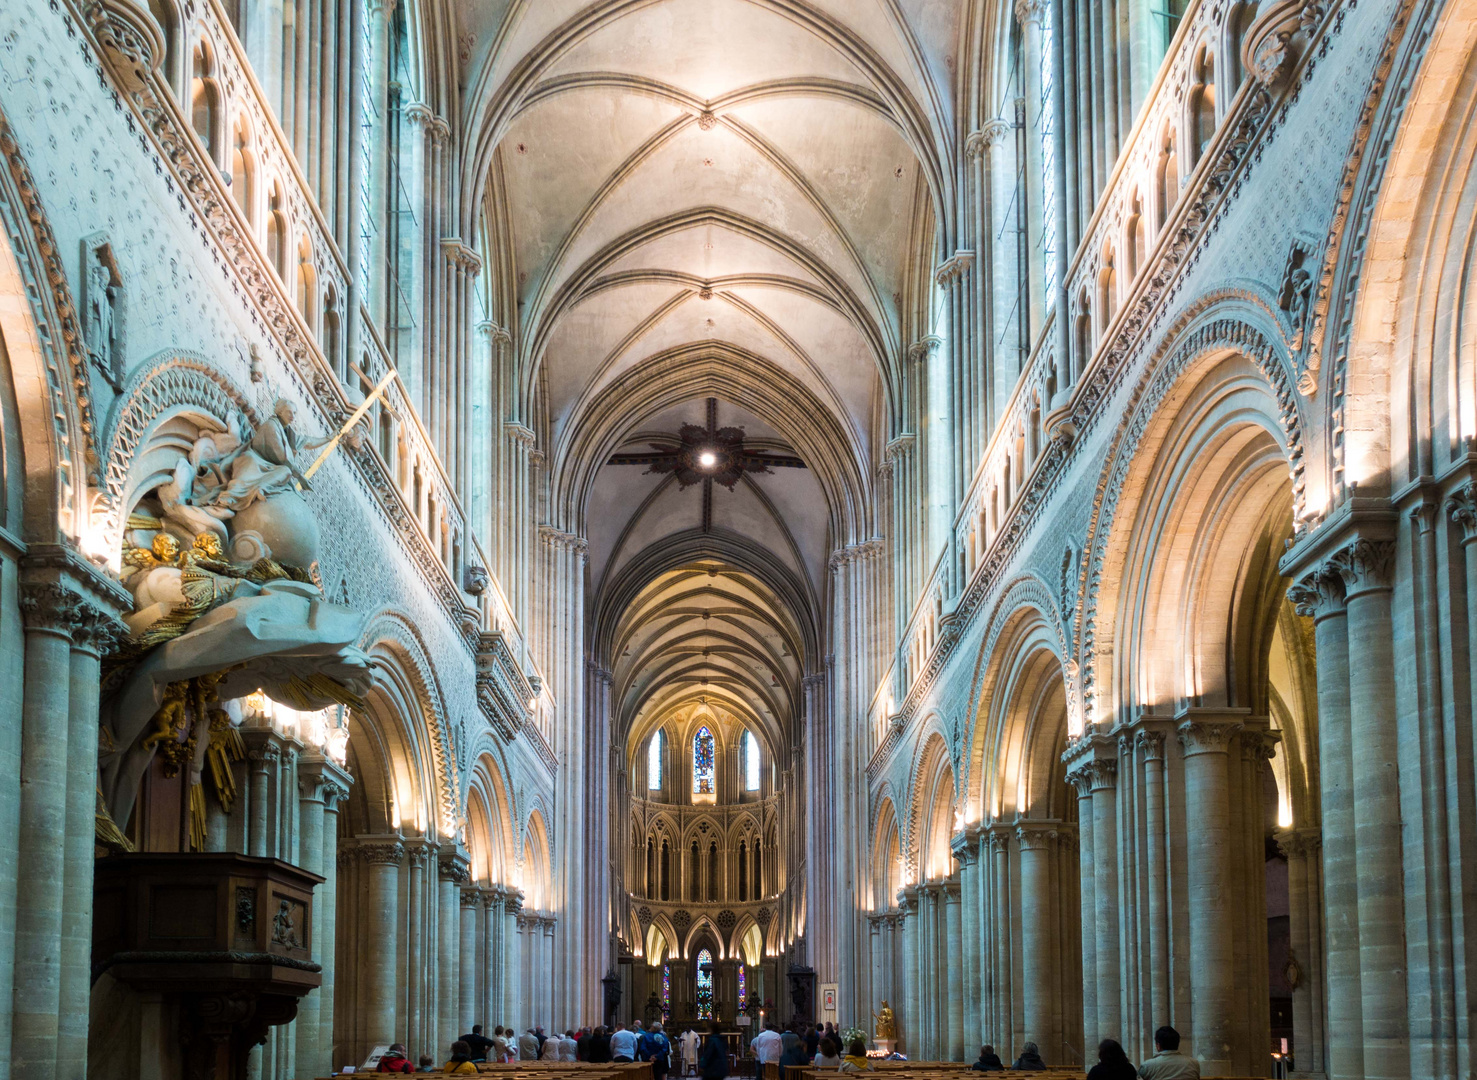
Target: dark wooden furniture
[{"x": 225, "y": 940}]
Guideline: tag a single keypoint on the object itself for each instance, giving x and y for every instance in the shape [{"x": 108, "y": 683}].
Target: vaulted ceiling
[{"x": 711, "y": 198}]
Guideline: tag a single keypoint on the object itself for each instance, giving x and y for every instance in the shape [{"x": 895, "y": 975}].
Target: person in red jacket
[{"x": 395, "y": 1060}]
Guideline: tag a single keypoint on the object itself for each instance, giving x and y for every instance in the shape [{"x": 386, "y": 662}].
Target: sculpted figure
[
  {"x": 886, "y": 1022},
  {"x": 264, "y": 466},
  {"x": 239, "y": 603}
]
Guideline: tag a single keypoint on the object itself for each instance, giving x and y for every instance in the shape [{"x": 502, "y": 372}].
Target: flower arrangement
[{"x": 850, "y": 1035}]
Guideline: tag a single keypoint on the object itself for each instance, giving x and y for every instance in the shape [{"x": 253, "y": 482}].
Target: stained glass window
[
  {"x": 743, "y": 986},
  {"x": 666, "y": 991},
  {"x": 705, "y": 985},
  {"x": 654, "y": 762},
  {"x": 702, "y": 763},
  {"x": 751, "y": 762}
]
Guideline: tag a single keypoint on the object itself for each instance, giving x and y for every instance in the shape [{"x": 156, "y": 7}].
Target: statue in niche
[
  {"x": 221, "y": 557},
  {"x": 102, "y": 308}
]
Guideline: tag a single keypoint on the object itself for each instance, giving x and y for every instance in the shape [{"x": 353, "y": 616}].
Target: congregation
[{"x": 800, "y": 1045}]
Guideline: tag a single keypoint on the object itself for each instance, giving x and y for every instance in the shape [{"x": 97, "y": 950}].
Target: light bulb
[{"x": 707, "y": 459}]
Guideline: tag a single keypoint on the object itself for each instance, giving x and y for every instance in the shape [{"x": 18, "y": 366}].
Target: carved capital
[
  {"x": 471, "y": 898},
  {"x": 1318, "y": 594},
  {"x": 388, "y": 854},
  {"x": 97, "y": 631},
  {"x": 455, "y": 871},
  {"x": 1030, "y": 11},
  {"x": 1035, "y": 836},
  {"x": 1462, "y": 506},
  {"x": 1081, "y": 779},
  {"x": 952, "y": 270},
  {"x": 1103, "y": 772},
  {"x": 558, "y": 538},
  {"x": 50, "y": 607},
  {"x": 1364, "y": 565},
  {"x": 924, "y": 347},
  {"x": 1150, "y": 744},
  {"x": 1207, "y": 736}
]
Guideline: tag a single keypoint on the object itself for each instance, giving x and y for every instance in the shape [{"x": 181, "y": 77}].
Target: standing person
[
  {"x": 793, "y": 1055},
  {"x": 1030, "y": 1059},
  {"x": 568, "y": 1048},
  {"x": 478, "y": 1043},
  {"x": 812, "y": 1042},
  {"x": 622, "y": 1045},
  {"x": 550, "y": 1050},
  {"x": 691, "y": 1043},
  {"x": 1169, "y": 1063},
  {"x": 582, "y": 1045},
  {"x": 538, "y": 1033},
  {"x": 713, "y": 1062},
  {"x": 1112, "y": 1063},
  {"x": 528, "y": 1046},
  {"x": 989, "y": 1060},
  {"x": 657, "y": 1049},
  {"x": 600, "y": 1046},
  {"x": 767, "y": 1046}
]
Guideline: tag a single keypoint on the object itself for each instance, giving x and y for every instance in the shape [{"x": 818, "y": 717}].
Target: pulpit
[{"x": 217, "y": 945}]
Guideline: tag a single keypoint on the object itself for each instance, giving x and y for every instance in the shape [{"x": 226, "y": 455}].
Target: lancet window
[
  {"x": 704, "y": 786},
  {"x": 705, "y": 985}
]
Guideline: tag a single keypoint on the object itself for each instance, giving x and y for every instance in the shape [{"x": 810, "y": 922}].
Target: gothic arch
[
  {"x": 1027, "y": 596},
  {"x": 1399, "y": 325},
  {"x": 932, "y": 762},
  {"x": 390, "y": 634},
  {"x": 47, "y": 359},
  {"x": 494, "y": 838},
  {"x": 537, "y": 865},
  {"x": 1222, "y": 330},
  {"x": 1021, "y": 716}
]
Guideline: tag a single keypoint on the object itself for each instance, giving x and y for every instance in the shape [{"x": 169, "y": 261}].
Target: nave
[{"x": 950, "y": 519}]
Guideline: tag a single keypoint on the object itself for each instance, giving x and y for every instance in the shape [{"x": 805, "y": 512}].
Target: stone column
[
  {"x": 418, "y": 1013},
  {"x": 874, "y": 939},
  {"x": 1104, "y": 773},
  {"x": 264, "y": 752},
  {"x": 548, "y": 1004},
  {"x": 333, "y": 796},
  {"x": 967, "y": 851},
  {"x": 1081, "y": 779},
  {"x": 1001, "y": 959},
  {"x": 95, "y": 633},
  {"x": 471, "y": 907},
  {"x": 310, "y": 786},
  {"x": 380, "y": 973},
  {"x": 496, "y": 966},
  {"x": 1039, "y": 944},
  {"x": 1204, "y": 736},
  {"x": 51, "y": 612},
  {"x": 910, "y": 1021},
  {"x": 1321, "y": 595},
  {"x": 513, "y": 961},
  {"x": 452, "y": 875},
  {"x": 1307, "y": 1031},
  {"x": 955, "y": 991},
  {"x": 1150, "y": 745},
  {"x": 1365, "y": 567}
]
